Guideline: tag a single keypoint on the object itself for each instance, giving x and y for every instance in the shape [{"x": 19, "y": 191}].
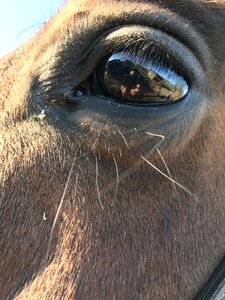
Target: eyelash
[{"x": 143, "y": 51}]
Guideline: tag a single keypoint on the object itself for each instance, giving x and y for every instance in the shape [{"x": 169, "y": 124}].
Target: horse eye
[{"x": 133, "y": 79}]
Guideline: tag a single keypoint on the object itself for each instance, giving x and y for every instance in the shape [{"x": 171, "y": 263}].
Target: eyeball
[{"x": 132, "y": 78}]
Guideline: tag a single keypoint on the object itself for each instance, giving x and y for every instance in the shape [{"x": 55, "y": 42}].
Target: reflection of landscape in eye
[{"x": 128, "y": 78}]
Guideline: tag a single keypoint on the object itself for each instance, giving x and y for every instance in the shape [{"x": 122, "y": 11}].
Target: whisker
[
  {"x": 123, "y": 137},
  {"x": 162, "y": 137},
  {"x": 60, "y": 206},
  {"x": 167, "y": 169},
  {"x": 117, "y": 179},
  {"x": 171, "y": 179},
  {"x": 131, "y": 169},
  {"x": 97, "y": 186}
]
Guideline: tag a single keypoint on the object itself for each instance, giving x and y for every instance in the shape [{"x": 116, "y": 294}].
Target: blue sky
[{"x": 19, "y": 19}]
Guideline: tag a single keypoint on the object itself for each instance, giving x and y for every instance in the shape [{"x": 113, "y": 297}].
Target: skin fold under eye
[{"x": 128, "y": 77}]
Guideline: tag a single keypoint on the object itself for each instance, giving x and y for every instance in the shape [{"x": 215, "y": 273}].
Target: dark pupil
[{"x": 126, "y": 78}]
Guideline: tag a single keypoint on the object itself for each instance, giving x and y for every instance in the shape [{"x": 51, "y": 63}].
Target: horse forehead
[
  {"x": 129, "y": 2},
  {"x": 141, "y": 216}
]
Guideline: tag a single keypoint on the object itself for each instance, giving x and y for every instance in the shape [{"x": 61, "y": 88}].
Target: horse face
[{"x": 112, "y": 153}]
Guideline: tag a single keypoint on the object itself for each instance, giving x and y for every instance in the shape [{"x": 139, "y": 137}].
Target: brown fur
[{"x": 123, "y": 230}]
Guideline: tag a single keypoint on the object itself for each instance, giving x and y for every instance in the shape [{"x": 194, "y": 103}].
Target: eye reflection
[{"x": 128, "y": 78}]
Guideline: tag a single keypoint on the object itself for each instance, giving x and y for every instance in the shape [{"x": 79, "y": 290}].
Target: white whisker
[
  {"x": 123, "y": 137},
  {"x": 167, "y": 169},
  {"x": 162, "y": 139},
  {"x": 60, "y": 206},
  {"x": 171, "y": 179},
  {"x": 117, "y": 179},
  {"x": 97, "y": 186}
]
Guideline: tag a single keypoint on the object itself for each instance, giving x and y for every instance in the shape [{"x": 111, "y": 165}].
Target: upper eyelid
[
  {"x": 163, "y": 20},
  {"x": 78, "y": 68}
]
